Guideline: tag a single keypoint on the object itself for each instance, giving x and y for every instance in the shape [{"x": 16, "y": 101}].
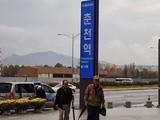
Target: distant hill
[{"x": 41, "y": 58}]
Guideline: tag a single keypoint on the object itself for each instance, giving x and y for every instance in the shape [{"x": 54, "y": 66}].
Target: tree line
[
  {"x": 12, "y": 70},
  {"x": 130, "y": 71},
  {"x": 113, "y": 71}
]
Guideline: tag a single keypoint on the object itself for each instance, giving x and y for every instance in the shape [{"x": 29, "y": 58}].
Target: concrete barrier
[
  {"x": 127, "y": 104},
  {"x": 109, "y": 105}
]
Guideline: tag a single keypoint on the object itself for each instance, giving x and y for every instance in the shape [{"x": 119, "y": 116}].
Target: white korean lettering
[
  {"x": 84, "y": 66},
  {"x": 87, "y": 34},
  {"x": 87, "y": 19},
  {"x": 87, "y": 48},
  {"x": 81, "y": 66}
]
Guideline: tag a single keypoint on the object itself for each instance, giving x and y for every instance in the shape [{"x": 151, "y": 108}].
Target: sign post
[{"x": 89, "y": 44}]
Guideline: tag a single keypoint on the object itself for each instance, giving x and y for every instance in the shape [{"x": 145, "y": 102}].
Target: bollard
[
  {"x": 109, "y": 105},
  {"x": 127, "y": 104}
]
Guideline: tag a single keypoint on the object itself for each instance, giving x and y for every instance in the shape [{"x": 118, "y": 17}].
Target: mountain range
[{"x": 41, "y": 58}]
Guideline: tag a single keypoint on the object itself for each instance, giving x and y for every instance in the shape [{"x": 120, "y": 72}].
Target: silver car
[{"x": 15, "y": 90}]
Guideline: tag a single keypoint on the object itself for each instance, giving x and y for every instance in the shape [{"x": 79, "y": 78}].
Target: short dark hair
[{"x": 64, "y": 81}]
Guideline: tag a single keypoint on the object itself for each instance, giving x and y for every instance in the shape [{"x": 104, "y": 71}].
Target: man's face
[
  {"x": 65, "y": 84},
  {"x": 96, "y": 82}
]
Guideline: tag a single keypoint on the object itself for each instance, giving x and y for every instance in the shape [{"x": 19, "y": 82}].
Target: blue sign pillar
[
  {"x": 87, "y": 39},
  {"x": 89, "y": 44}
]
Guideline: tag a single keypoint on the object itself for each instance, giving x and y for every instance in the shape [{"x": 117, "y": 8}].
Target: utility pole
[{"x": 158, "y": 73}]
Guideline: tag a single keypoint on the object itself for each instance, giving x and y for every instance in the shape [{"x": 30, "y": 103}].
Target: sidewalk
[
  {"x": 119, "y": 113},
  {"x": 122, "y": 113}
]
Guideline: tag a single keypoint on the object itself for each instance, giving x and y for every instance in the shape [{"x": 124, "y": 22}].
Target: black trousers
[{"x": 93, "y": 112}]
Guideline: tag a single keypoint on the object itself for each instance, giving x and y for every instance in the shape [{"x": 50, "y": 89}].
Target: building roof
[{"x": 34, "y": 71}]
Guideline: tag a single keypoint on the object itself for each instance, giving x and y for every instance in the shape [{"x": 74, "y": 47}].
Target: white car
[{"x": 55, "y": 88}]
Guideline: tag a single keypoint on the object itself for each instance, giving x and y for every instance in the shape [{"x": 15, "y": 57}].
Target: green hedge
[{"x": 114, "y": 84}]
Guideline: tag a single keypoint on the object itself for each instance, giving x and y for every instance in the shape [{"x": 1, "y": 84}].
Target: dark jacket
[{"x": 64, "y": 97}]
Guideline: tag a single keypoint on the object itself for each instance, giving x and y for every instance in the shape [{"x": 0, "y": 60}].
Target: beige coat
[{"x": 92, "y": 98}]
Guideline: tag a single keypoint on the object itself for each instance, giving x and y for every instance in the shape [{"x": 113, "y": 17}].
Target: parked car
[
  {"x": 50, "y": 94},
  {"x": 15, "y": 90},
  {"x": 55, "y": 88},
  {"x": 123, "y": 80}
]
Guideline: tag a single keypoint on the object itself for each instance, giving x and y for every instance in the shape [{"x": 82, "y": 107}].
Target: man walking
[
  {"x": 94, "y": 98},
  {"x": 64, "y": 97}
]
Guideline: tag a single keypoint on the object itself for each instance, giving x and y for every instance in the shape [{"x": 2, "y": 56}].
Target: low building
[
  {"x": 28, "y": 72},
  {"x": 52, "y": 72}
]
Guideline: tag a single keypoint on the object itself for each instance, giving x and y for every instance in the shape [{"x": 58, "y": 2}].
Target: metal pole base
[{"x": 83, "y": 85}]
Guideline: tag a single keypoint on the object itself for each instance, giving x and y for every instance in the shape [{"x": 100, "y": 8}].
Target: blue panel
[{"x": 87, "y": 39}]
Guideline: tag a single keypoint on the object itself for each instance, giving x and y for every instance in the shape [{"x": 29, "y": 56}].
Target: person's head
[
  {"x": 65, "y": 84},
  {"x": 96, "y": 80},
  {"x": 39, "y": 87}
]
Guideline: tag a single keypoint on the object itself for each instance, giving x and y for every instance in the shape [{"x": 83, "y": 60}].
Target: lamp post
[
  {"x": 158, "y": 73},
  {"x": 72, "y": 37},
  {"x": 158, "y": 106}
]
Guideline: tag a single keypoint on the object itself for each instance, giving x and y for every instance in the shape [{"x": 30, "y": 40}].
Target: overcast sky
[{"x": 127, "y": 28}]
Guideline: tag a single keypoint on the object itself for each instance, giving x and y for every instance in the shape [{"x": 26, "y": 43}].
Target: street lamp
[
  {"x": 72, "y": 37},
  {"x": 158, "y": 73},
  {"x": 158, "y": 106}
]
